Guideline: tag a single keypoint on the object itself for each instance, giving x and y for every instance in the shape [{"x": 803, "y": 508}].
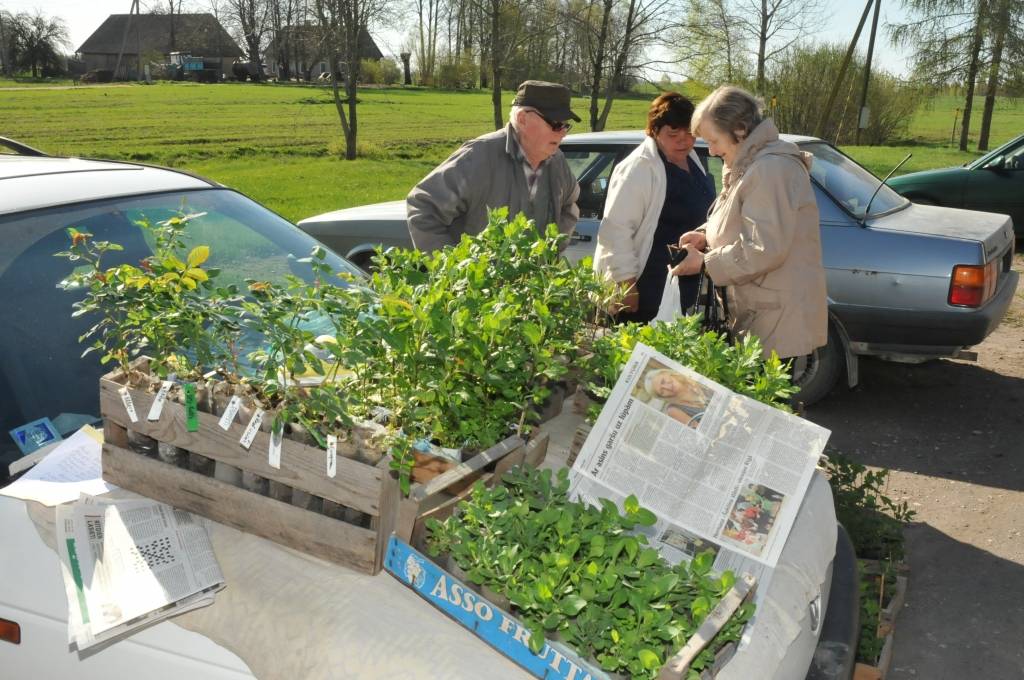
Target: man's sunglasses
[{"x": 555, "y": 126}]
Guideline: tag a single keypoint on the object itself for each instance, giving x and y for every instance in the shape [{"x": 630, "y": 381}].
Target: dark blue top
[{"x": 688, "y": 197}]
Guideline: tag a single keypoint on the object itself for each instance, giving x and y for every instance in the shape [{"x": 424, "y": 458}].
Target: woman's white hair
[
  {"x": 649, "y": 379},
  {"x": 731, "y": 109}
]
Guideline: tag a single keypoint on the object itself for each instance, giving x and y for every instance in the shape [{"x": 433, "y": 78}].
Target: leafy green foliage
[
  {"x": 876, "y": 590},
  {"x": 583, "y": 572},
  {"x": 460, "y": 346},
  {"x": 161, "y": 306},
  {"x": 739, "y": 367},
  {"x": 873, "y": 520}
]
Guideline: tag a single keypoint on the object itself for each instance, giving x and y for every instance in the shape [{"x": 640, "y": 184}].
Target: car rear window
[{"x": 849, "y": 184}]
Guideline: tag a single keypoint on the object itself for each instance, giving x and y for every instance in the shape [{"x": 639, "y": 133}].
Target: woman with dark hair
[{"x": 656, "y": 194}]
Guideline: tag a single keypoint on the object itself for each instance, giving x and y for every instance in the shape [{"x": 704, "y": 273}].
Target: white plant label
[
  {"x": 332, "y": 455},
  {"x": 252, "y": 428},
  {"x": 129, "y": 405},
  {"x": 274, "y": 459},
  {"x": 157, "y": 407},
  {"x": 230, "y": 411}
]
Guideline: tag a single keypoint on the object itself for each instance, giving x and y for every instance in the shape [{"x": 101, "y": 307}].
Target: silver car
[{"x": 905, "y": 282}]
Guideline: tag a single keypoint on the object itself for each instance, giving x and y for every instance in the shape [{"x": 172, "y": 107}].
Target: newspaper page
[
  {"x": 130, "y": 563},
  {"x": 722, "y": 472}
]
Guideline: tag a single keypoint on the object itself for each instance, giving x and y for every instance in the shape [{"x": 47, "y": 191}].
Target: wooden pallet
[{"x": 368, "y": 495}]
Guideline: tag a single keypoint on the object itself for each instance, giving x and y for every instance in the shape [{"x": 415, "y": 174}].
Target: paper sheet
[{"x": 71, "y": 469}]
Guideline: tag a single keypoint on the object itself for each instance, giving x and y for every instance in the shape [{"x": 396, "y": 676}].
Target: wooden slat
[
  {"x": 442, "y": 512},
  {"x": 677, "y": 667},
  {"x": 357, "y": 485},
  {"x": 387, "y": 522},
  {"x": 477, "y": 462},
  {"x": 537, "y": 450},
  {"x": 508, "y": 462},
  {"x": 309, "y": 532}
]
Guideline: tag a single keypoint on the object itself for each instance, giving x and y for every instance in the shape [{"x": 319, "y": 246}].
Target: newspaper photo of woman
[{"x": 674, "y": 394}]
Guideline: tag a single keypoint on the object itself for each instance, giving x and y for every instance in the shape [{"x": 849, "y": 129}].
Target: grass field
[{"x": 282, "y": 144}]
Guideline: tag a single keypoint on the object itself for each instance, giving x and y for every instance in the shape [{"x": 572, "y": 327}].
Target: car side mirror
[{"x": 997, "y": 164}]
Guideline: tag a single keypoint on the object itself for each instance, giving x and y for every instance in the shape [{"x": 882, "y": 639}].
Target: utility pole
[
  {"x": 124, "y": 36},
  {"x": 3, "y": 48},
  {"x": 820, "y": 129},
  {"x": 862, "y": 119}
]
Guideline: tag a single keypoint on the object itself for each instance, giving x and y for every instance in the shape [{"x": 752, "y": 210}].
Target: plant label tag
[
  {"x": 230, "y": 411},
  {"x": 332, "y": 455},
  {"x": 252, "y": 428},
  {"x": 157, "y": 407},
  {"x": 274, "y": 459},
  {"x": 191, "y": 407},
  {"x": 129, "y": 405}
]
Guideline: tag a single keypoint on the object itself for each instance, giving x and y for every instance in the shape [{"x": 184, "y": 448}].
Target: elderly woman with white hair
[{"x": 761, "y": 240}]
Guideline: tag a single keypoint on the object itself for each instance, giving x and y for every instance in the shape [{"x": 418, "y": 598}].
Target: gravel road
[{"x": 952, "y": 432}]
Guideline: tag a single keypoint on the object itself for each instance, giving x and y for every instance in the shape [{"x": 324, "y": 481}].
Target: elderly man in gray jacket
[{"x": 518, "y": 166}]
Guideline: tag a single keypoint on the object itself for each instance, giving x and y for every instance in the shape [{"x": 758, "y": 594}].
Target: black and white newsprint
[{"x": 721, "y": 471}]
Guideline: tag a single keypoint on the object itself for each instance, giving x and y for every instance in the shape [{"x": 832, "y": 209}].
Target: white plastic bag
[{"x": 671, "y": 307}]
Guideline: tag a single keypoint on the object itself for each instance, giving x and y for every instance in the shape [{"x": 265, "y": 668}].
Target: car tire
[{"x": 821, "y": 371}]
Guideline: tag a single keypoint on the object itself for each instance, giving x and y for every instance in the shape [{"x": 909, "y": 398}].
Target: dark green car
[{"x": 993, "y": 183}]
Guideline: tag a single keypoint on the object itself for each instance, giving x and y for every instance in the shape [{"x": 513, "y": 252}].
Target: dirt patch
[{"x": 952, "y": 432}]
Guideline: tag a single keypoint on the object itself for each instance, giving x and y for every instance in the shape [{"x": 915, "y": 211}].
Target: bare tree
[
  {"x": 7, "y": 42},
  {"x": 251, "y": 20},
  {"x": 342, "y": 24},
  {"x": 773, "y": 26},
  {"x": 428, "y": 13},
  {"x": 171, "y": 9},
  {"x": 287, "y": 30},
  {"x": 501, "y": 27},
  {"x": 712, "y": 43},
  {"x": 618, "y": 34}
]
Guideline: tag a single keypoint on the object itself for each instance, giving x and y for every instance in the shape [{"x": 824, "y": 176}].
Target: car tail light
[
  {"x": 10, "y": 631},
  {"x": 973, "y": 285}
]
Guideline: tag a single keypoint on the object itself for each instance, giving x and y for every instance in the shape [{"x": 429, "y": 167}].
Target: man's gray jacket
[{"x": 486, "y": 173}]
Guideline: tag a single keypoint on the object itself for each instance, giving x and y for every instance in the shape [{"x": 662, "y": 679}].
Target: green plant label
[{"x": 191, "y": 408}]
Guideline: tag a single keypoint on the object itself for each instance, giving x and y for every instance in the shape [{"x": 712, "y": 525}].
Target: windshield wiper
[{"x": 867, "y": 208}]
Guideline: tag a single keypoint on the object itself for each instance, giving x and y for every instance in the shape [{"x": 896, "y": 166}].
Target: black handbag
[{"x": 714, "y": 316}]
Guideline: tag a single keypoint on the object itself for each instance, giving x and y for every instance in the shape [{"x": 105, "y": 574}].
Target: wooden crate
[{"x": 371, "y": 490}]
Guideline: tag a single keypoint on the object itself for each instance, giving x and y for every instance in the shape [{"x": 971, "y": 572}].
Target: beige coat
[{"x": 765, "y": 246}]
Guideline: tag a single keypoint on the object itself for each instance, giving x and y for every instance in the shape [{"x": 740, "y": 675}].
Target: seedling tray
[
  {"x": 509, "y": 637},
  {"x": 367, "y": 494}
]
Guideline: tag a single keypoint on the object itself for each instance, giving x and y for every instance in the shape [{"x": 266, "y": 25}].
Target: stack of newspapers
[{"x": 128, "y": 564}]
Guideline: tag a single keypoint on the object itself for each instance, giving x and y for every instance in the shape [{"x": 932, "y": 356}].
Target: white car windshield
[{"x": 849, "y": 184}]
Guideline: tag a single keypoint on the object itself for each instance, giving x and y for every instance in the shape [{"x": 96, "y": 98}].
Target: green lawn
[{"x": 282, "y": 144}]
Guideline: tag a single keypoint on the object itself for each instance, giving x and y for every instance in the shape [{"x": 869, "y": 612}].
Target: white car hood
[{"x": 384, "y": 212}]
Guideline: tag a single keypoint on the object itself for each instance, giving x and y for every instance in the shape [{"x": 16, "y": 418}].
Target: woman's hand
[
  {"x": 697, "y": 239},
  {"x": 692, "y": 263}
]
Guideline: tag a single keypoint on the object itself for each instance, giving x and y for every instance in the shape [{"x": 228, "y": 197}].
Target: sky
[{"x": 84, "y": 16}]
